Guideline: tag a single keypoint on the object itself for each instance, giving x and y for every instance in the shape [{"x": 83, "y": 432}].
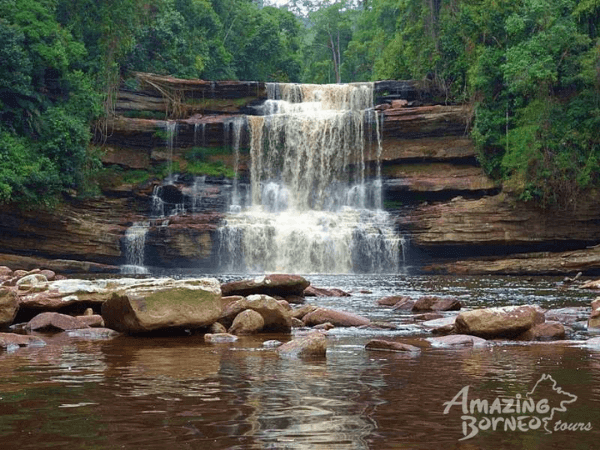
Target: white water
[
  {"x": 315, "y": 200},
  {"x": 135, "y": 240}
]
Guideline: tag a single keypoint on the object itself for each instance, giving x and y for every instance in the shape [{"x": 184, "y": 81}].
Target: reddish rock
[
  {"x": 295, "y": 299},
  {"x": 277, "y": 284},
  {"x": 440, "y": 326},
  {"x": 427, "y": 316},
  {"x": 392, "y": 300},
  {"x": 324, "y": 326},
  {"x": 297, "y": 323},
  {"x": 390, "y": 346},
  {"x": 277, "y": 318},
  {"x": 312, "y": 291},
  {"x": 547, "y": 331},
  {"x": 505, "y": 322},
  {"x": 53, "y": 322},
  {"x": 337, "y": 318},
  {"x": 49, "y": 274},
  {"x": 5, "y": 271},
  {"x": 94, "y": 321},
  {"x": 247, "y": 322},
  {"x": 8, "y": 340},
  {"x": 404, "y": 305},
  {"x": 432, "y": 303},
  {"x": 304, "y": 310},
  {"x": 313, "y": 345}
]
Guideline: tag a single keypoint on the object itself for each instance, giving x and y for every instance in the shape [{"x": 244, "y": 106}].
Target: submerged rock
[
  {"x": 277, "y": 284},
  {"x": 390, "y": 346},
  {"x": 503, "y": 322},
  {"x": 141, "y": 310},
  {"x": 457, "y": 340},
  {"x": 312, "y": 345},
  {"x": 8, "y": 340},
  {"x": 247, "y": 322},
  {"x": 218, "y": 338},
  {"x": 337, "y": 318},
  {"x": 93, "y": 333},
  {"x": 312, "y": 291}
]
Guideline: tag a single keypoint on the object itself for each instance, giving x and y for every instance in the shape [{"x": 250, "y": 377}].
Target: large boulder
[
  {"x": 503, "y": 322},
  {"x": 247, "y": 322},
  {"x": 337, "y": 318},
  {"x": 9, "y": 306},
  {"x": 277, "y": 317},
  {"x": 278, "y": 284},
  {"x": 313, "y": 345},
  {"x": 188, "y": 306},
  {"x": 547, "y": 331}
]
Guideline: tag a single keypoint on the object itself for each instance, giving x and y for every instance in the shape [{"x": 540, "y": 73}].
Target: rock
[
  {"x": 431, "y": 303},
  {"x": 428, "y": 316},
  {"x": 390, "y": 346},
  {"x": 295, "y": 299},
  {"x": 312, "y": 291},
  {"x": 277, "y": 318},
  {"x": 503, "y": 322},
  {"x": 594, "y": 320},
  {"x": 285, "y": 305},
  {"x": 297, "y": 323},
  {"x": 324, "y": 326},
  {"x": 94, "y": 321},
  {"x": 304, "y": 310},
  {"x": 11, "y": 340},
  {"x": 19, "y": 273},
  {"x": 568, "y": 315},
  {"x": 392, "y": 300},
  {"x": 217, "y": 328},
  {"x": 247, "y": 322},
  {"x": 313, "y": 345},
  {"x": 380, "y": 325},
  {"x": 592, "y": 284},
  {"x": 139, "y": 311},
  {"x": 547, "y": 331},
  {"x": 218, "y": 338},
  {"x": 88, "y": 312},
  {"x": 457, "y": 340},
  {"x": 9, "y": 306},
  {"x": 53, "y": 322},
  {"x": 226, "y": 301},
  {"x": 277, "y": 284},
  {"x": 273, "y": 343},
  {"x": 93, "y": 333},
  {"x": 32, "y": 281},
  {"x": 440, "y": 326},
  {"x": 404, "y": 305},
  {"x": 337, "y": 318},
  {"x": 5, "y": 271},
  {"x": 49, "y": 274}
]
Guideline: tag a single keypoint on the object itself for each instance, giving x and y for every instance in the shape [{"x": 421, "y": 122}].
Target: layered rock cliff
[{"x": 442, "y": 200}]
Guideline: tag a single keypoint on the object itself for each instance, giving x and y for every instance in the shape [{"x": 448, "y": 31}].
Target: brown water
[{"x": 159, "y": 393}]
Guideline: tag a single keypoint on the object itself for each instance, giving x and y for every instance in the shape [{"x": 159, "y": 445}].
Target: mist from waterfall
[{"x": 315, "y": 183}]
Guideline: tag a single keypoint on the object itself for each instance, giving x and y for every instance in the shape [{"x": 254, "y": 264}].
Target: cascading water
[
  {"x": 315, "y": 203},
  {"x": 135, "y": 240}
]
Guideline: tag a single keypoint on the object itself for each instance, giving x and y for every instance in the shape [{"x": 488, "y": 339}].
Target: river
[{"x": 181, "y": 393}]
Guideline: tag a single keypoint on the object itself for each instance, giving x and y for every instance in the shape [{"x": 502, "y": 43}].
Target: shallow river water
[{"x": 181, "y": 393}]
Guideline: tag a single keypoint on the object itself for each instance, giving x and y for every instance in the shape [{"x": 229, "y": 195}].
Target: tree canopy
[{"x": 529, "y": 68}]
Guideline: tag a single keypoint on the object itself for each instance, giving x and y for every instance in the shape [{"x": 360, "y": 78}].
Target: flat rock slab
[
  {"x": 312, "y": 291},
  {"x": 392, "y": 300},
  {"x": 457, "y": 340},
  {"x": 390, "y": 346},
  {"x": 277, "y": 284},
  {"x": 431, "y": 303},
  {"x": 8, "y": 340},
  {"x": 337, "y": 318},
  {"x": 141, "y": 311},
  {"x": 54, "y": 322},
  {"x": 93, "y": 334},
  {"x": 313, "y": 345}
]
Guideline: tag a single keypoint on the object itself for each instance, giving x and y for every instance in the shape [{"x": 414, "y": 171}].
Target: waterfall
[
  {"x": 315, "y": 198},
  {"x": 171, "y": 135},
  {"x": 236, "y": 124},
  {"x": 135, "y": 240}
]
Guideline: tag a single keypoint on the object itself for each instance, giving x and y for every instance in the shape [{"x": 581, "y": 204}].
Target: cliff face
[{"x": 440, "y": 196}]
